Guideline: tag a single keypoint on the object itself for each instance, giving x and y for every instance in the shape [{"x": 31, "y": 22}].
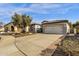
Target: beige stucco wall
[{"x": 68, "y": 28}]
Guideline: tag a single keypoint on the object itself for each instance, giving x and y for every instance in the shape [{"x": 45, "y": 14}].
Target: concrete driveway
[
  {"x": 7, "y": 46},
  {"x": 33, "y": 45}
]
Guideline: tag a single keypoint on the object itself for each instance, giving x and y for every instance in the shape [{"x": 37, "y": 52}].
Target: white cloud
[
  {"x": 48, "y": 8},
  {"x": 38, "y": 8},
  {"x": 7, "y": 10},
  {"x": 10, "y": 9},
  {"x": 35, "y": 8}
]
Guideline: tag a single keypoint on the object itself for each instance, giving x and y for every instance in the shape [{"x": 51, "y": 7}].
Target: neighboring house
[
  {"x": 35, "y": 27},
  {"x": 10, "y": 28},
  {"x": 1, "y": 29},
  {"x": 56, "y": 27}
]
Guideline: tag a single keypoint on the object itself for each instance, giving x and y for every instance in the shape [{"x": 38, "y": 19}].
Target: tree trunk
[{"x": 27, "y": 28}]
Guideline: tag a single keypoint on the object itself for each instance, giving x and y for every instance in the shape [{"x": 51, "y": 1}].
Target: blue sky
[{"x": 40, "y": 11}]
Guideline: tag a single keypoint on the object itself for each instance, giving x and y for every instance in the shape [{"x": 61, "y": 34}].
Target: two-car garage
[{"x": 56, "y": 27}]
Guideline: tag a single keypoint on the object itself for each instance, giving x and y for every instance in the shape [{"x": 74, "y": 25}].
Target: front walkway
[{"x": 33, "y": 45}]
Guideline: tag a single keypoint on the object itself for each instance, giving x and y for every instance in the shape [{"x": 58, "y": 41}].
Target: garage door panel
[{"x": 54, "y": 29}]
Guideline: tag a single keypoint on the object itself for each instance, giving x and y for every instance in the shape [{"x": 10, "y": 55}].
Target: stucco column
[
  {"x": 75, "y": 31},
  {"x": 27, "y": 28},
  {"x": 15, "y": 28}
]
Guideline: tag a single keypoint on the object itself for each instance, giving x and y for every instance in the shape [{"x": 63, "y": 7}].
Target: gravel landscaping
[{"x": 69, "y": 47}]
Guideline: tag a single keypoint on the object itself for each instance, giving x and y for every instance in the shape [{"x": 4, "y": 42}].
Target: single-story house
[
  {"x": 1, "y": 28},
  {"x": 56, "y": 27},
  {"x": 10, "y": 28},
  {"x": 35, "y": 27}
]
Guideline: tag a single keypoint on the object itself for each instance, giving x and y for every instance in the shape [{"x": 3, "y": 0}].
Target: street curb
[{"x": 18, "y": 48}]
